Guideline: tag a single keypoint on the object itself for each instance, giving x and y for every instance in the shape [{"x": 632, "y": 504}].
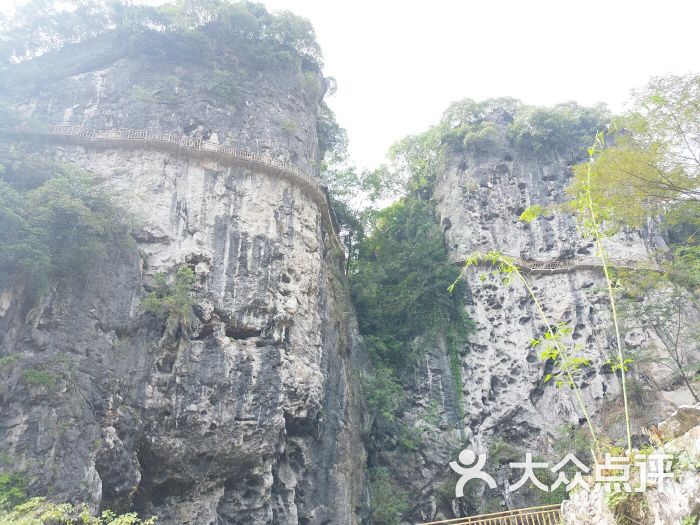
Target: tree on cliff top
[
  {"x": 40, "y": 26},
  {"x": 652, "y": 166}
]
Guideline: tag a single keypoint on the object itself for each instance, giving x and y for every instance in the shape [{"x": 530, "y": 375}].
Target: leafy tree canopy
[
  {"x": 44, "y": 25},
  {"x": 401, "y": 279},
  {"x": 652, "y": 164},
  {"x": 55, "y": 224},
  {"x": 491, "y": 127}
]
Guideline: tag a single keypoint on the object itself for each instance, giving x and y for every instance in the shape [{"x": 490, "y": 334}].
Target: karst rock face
[
  {"x": 254, "y": 416},
  {"x": 506, "y": 407},
  {"x": 253, "y": 412},
  {"x": 479, "y": 201}
]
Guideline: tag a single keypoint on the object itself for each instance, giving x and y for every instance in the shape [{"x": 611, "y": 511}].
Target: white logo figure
[
  {"x": 467, "y": 457},
  {"x": 529, "y": 473},
  {"x": 613, "y": 475},
  {"x": 578, "y": 480},
  {"x": 660, "y": 469}
]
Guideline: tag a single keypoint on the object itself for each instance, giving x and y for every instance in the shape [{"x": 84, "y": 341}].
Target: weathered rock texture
[
  {"x": 505, "y": 407},
  {"x": 679, "y": 501},
  {"x": 254, "y": 417}
]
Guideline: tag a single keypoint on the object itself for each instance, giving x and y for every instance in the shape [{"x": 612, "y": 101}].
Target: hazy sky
[{"x": 400, "y": 63}]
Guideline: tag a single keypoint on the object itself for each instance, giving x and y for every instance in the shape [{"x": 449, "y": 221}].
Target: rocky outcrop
[
  {"x": 503, "y": 406},
  {"x": 251, "y": 415},
  {"x": 677, "y": 504}
]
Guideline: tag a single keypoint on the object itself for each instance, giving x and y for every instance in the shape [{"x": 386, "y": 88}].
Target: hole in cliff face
[
  {"x": 297, "y": 427},
  {"x": 166, "y": 363},
  {"x": 205, "y": 332},
  {"x": 242, "y": 332}
]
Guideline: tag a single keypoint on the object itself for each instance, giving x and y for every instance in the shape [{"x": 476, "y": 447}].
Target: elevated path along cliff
[
  {"x": 193, "y": 147},
  {"x": 568, "y": 265},
  {"x": 547, "y": 515}
]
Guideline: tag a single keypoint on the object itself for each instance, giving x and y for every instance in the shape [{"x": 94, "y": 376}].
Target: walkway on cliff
[
  {"x": 569, "y": 265},
  {"x": 194, "y": 147},
  {"x": 547, "y": 515}
]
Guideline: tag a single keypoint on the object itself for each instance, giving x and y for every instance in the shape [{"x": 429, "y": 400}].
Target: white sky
[{"x": 400, "y": 63}]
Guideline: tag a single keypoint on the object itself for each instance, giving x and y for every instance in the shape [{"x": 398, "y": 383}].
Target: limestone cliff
[
  {"x": 252, "y": 417},
  {"x": 503, "y": 407}
]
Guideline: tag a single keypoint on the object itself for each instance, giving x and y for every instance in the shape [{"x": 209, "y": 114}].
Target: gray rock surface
[
  {"x": 677, "y": 504},
  {"x": 252, "y": 417},
  {"x": 504, "y": 399}
]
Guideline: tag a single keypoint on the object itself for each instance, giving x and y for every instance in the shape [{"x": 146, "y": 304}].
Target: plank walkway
[
  {"x": 546, "y": 515},
  {"x": 570, "y": 265},
  {"x": 196, "y": 147}
]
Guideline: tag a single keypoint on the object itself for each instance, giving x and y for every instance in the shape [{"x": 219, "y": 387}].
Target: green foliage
[
  {"x": 491, "y": 127},
  {"x": 172, "y": 299},
  {"x": 352, "y": 227},
  {"x": 667, "y": 311},
  {"x": 383, "y": 394},
  {"x": 685, "y": 267},
  {"x": 415, "y": 160},
  {"x": 13, "y": 490},
  {"x": 225, "y": 84},
  {"x": 485, "y": 137},
  {"x": 531, "y": 213},
  {"x": 332, "y": 139},
  {"x": 8, "y": 360},
  {"x": 40, "y": 26},
  {"x": 554, "y": 497},
  {"x": 501, "y": 452},
  {"x": 39, "y": 511},
  {"x": 290, "y": 126},
  {"x": 389, "y": 500},
  {"x": 629, "y": 508},
  {"x": 55, "y": 232},
  {"x": 653, "y": 163},
  {"x": 566, "y": 128},
  {"x": 143, "y": 95},
  {"x": 399, "y": 286},
  {"x": 574, "y": 439},
  {"x": 409, "y": 437},
  {"x": 38, "y": 377}
]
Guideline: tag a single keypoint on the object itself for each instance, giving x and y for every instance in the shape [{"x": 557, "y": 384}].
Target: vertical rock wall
[{"x": 251, "y": 417}]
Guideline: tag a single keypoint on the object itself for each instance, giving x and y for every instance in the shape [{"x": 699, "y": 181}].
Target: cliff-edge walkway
[
  {"x": 567, "y": 265},
  {"x": 547, "y": 515},
  {"x": 195, "y": 147}
]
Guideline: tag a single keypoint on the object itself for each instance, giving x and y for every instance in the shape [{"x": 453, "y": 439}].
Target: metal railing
[
  {"x": 220, "y": 151},
  {"x": 546, "y": 515},
  {"x": 568, "y": 265}
]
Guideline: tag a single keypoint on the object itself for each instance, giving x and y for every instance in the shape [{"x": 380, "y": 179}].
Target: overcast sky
[{"x": 400, "y": 63}]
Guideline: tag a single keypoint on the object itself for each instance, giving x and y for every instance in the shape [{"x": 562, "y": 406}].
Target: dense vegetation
[
  {"x": 40, "y": 26},
  {"x": 648, "y": 166},
  {"x": 498, "y": 127},
  {"x": 39, "y": 511},
  {"x": 57, "y": 224},
  {"x": 399, "y": 285}
]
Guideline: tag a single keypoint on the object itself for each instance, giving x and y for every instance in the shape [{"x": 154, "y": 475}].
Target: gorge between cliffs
[{"x": 200, "y": 322}]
